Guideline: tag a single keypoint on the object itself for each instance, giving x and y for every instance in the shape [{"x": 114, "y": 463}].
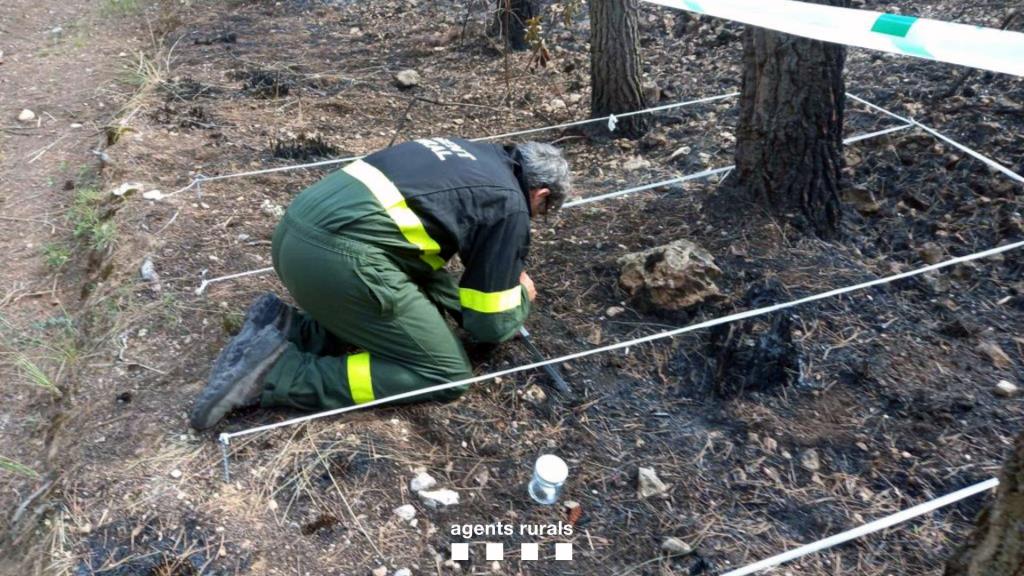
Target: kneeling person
[{"x": 362, "y": 253}]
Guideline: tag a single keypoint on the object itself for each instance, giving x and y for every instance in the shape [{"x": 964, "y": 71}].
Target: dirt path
[{"x": 59, "y": 60}]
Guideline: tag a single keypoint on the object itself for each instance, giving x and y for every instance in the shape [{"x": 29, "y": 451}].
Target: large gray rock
[{"x": 673, "y": 277}]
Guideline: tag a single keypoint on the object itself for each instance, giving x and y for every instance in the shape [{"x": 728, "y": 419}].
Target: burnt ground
[{"x": 893, "y": 390}]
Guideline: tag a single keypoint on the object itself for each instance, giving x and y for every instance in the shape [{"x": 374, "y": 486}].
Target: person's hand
[{"x": 531, "y": 290}]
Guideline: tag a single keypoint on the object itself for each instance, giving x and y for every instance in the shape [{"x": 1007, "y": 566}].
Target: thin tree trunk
[
  {"x": 615, "y": 67},
  {"x": 790, "y": 137},
  {"x": 996, "y": 548}
]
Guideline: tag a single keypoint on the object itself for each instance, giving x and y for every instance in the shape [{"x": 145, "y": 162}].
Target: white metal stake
[{"x": 224, "y": 440}]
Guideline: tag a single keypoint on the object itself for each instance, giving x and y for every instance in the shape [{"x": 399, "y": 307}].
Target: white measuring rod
[{"x": 974, "y": 46}]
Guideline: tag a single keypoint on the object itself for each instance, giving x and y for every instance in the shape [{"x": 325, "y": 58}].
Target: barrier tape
[
  {"x": 974, "y": 46},
  {"x": 226, "y": 437},
  {"x": 871, "y": 527}
]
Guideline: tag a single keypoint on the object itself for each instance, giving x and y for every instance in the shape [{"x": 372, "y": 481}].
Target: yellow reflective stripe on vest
[
  {"x": 491, "y": 302},
  {"x": 403, "y": 216},
  {"x": 359, "y": 383}
]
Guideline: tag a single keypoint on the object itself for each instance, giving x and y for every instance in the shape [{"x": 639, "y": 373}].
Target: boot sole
[{"x": 214, "y": 403}]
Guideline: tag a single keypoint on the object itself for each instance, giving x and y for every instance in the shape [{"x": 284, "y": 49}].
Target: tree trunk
[
  {"x": 790, "y": 137},
  {"x": 510, "y": 21},
  {"x": 615, "y": 66},
  {"x": 996, "y": 548}
]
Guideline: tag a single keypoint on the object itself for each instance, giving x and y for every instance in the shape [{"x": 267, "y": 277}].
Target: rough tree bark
[
  {"x": 996, "y": 548},
  {"x": 790, "y": 137},
  {"x": 615, "y": 67},
  {"x": 510, "y": 21}
]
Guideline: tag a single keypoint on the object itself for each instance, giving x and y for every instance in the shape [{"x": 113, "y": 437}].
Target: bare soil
[{"x": 892, "y": 390}]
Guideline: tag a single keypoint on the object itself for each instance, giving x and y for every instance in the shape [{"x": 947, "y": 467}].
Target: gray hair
[{"x": 545, "y": 167}]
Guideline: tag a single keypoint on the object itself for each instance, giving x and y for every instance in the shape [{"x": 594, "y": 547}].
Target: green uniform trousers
[{"x": 355, "y": 294}]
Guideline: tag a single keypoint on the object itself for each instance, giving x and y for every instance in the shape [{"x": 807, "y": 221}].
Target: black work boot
[
  {"x": 238, "y": 380},
  {"x": 266, "y": 310}
]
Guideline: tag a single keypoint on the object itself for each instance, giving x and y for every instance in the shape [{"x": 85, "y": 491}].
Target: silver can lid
[{"x": 551, "y": 468}]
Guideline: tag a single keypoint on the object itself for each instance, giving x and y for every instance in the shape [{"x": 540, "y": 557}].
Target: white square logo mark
[
  {"x": 529, "y": 551},
  {"x": 563, "y": 551},
  {"x": 460, "y": 551},
  {"x": 495, "y": 551}
]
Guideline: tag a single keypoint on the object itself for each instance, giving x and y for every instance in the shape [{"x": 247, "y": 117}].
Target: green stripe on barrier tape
[
  {"x": 893, "y": 25},
  {"x": 693, "y": 6}
]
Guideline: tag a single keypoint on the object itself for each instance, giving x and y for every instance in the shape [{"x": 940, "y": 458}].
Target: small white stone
[
  {"x": 422, "y": 481},
  {"x": 810, "y": 461},
  {"x": 126, "y": 188},
  {"x": 648, "y": 484},
  {"x": 406, "y": 512},
  {"x": 154, "y": 195},
  {"x": 26, "y": 116},
  {"x": 75, "y": 125},
  {"x": 380, "y": 571},
  {"x": 614, "y": 311},
  {"x": 439, "y": 498},
  {"x": 675, "y": 546},
  {"x": 407, "y": 78},
  {"x": 402, "y": 572},
  {"x": 175, "y": 473},
  {"x": 1006, "y": 389}
]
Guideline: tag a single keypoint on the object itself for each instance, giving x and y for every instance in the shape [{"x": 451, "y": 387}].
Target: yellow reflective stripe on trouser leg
[
  {"x": 491, "y": 302},
  {"x": 394, "y": 203},
  {"x": 359, "y": 383}
]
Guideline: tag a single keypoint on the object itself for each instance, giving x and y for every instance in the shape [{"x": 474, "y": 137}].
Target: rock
[
  {"x": 148, "y": 271},
  {"x": 996, "y": 354},
  {"x": 175, "y": 473},
  {"x": 649, "y": 485},
  {"x": 676, "y": 276},
  {"x": 126, "y": 189},
  {"x": 675, "y": 546},
  {"x": 862, "y": 200},
  {"x": 1006, "y": 389},
  {"x": 535, "y": 394},
  {"x": 407, "y": 79},
  {"x": 402, "y": 572},
  {"x": 422, "y": 481},
  {"x": 810, "y": 461},
  {"x": 557, "y": 105},
  {"x": 406, "y": 512},
  {"x": 380, "y": 571},
  {"x": 154, "y": 195},
  {"x": 931, "y": 253},
  {"x": 439, "y": 498},
  {"x": 636, "y": 163},
  {"x": 272, "y": 210},
  {"x": 614, "y": 311},
  {"x": 26, "y": 116}
]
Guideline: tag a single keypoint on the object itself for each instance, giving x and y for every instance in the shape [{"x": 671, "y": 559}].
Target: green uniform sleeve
[{"x": 494, "y": 303}]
